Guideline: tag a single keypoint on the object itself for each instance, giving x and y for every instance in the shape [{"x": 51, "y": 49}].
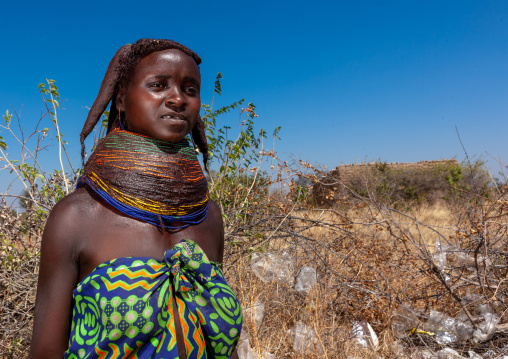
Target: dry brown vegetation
[{"x": 370, "y": 261}]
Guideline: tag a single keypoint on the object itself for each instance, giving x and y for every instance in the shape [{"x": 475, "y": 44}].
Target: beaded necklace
[{"x": 158, "y": 182}]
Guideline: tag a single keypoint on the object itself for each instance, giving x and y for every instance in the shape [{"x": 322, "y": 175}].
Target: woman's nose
[{"x": 175, "y": 97}]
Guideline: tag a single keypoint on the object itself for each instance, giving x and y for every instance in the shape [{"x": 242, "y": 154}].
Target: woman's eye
[
  {"x": 156, "y": 85},
  {"x": 192, "y": 90}
]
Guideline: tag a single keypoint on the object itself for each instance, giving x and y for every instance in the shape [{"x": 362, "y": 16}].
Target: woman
[{"x": 129, "y": 261}]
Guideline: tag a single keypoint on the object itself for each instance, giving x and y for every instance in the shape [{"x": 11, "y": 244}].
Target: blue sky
[{"x": 347, "y": 81}]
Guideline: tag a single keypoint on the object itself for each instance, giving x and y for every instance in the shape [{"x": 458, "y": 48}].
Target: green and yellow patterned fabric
[{"x": 123, "y": 309}]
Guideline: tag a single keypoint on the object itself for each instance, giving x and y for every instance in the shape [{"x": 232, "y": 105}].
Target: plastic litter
[
  {"x": 445, "y": 337},
  {"x": 245, "y": 352},
  {"x": 270, "y": 267},
  {"x": 463, "y": 327},
  {"x": 463, "y": 259},
  {"x": 305, "y": 280},
  {"x": 243, "y": 348},
  {"x": 255, "y": 313},
  {"x": 445, "y": 329},
  {"x": 305, "y": 339},
  {"x": 398, "y": 350},
  {"x": 466, "y": 260},
  {"x": 469, "y": 298},
  {"x": 443, "y": 326},
  {"x": 487, "y": 328},
  {"x": 489, "y": 354},
  {"x": 441, "y": 320},
  {"x": 440, "y": 257},
  {"x": 502, "y": 328},
  {"x": 484, "y": 309},
  {"x": 365, "y": 335},
  {"x": 448, "y": 353},
  {"x": 440, "y": 254},
  {"x": 403, "y": 321},
  {"x": 427, "y": 354}
]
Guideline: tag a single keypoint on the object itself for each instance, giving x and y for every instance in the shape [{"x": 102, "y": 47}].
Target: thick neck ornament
[{"x": 158, "y": 182}]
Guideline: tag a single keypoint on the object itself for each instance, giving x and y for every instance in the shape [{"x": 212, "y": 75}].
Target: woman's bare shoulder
[
  {"x": 214, "y": 212},
  {"x": 71, "y": 216},
  {"x": 79, "y": 205},
  {"x": 216, "y": 226},
  {"x": 81, "y": 200}
]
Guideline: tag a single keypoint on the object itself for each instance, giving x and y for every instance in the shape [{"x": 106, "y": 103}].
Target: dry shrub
[
  {"x": 371, "y": 259},
  {"x": 19, "y": 265}
]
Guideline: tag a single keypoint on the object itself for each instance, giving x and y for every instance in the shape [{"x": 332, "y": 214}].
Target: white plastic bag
[
  {"x": 271, "y": 266},
  {"x": 440, "y": 254},
  {"x": 364, "y": 335},
  {"x": 305, "y": 339},
  {"x": 404, "y": 319},
  {"x": 448, "y": 353},
  {"x": 487, "y": 328},
  {"x": 305, "y": 280},
  {"x": 443, "y": 326},
  {"x": 245, "y": 352},
  {"x": 255, "y": 313}
]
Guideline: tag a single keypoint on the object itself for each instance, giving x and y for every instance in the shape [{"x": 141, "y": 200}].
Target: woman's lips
[
  {"x": 174, "y": 120},
  {"x": 174, "y": 116}
]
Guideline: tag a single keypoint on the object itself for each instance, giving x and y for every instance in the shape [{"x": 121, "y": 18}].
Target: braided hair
[{"x": 118, "y": 75}]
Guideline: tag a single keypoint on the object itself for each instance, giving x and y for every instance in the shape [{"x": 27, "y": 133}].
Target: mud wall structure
[{"x": 344, "y": 175}]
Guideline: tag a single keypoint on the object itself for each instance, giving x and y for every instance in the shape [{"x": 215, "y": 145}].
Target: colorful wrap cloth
[
  {"x": 158, "y": 182},
  {"x": 124, "y": 308}
]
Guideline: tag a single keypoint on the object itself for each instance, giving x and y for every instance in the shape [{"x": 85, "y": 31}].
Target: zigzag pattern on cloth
[{"x": 123, "y": 308}]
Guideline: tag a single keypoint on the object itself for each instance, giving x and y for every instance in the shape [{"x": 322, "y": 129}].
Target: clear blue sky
[{"x": 346, "y": 80}]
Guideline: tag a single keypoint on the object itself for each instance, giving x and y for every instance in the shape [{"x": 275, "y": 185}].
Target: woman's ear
[{"x": 120, "y": 98}]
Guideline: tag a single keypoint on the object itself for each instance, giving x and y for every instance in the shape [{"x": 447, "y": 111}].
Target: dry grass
[
  {"x": 368, "y": 261},
  {"x": 19, "y": 263}
]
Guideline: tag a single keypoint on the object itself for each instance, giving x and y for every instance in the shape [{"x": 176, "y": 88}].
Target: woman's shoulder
[
  {"x": 213, "y": 221},
  {"x": 79, "y": 204},
  {"x": 72, "y": 216},
  {"x": 214, "y": 211}
]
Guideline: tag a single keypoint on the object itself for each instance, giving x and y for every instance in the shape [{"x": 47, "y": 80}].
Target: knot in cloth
[{"x": 187, "y": 265}]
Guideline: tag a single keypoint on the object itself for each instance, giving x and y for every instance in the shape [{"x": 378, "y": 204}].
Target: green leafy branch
[{"x": 238, "y": 182}]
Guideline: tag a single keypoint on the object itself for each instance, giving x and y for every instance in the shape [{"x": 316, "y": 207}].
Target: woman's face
[{"x": 162, "y": 97}]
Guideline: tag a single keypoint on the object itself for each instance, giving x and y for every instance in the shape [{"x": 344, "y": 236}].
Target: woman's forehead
[{"x": 167, "y": 60}]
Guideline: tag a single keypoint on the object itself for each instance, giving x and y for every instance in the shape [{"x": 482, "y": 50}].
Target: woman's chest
[{"x": 116, "y": 236}]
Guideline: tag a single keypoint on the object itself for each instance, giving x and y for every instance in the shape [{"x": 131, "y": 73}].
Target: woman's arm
[
  {"x": 216, "y": 214},
  {"x": 58, "y": 275}
]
